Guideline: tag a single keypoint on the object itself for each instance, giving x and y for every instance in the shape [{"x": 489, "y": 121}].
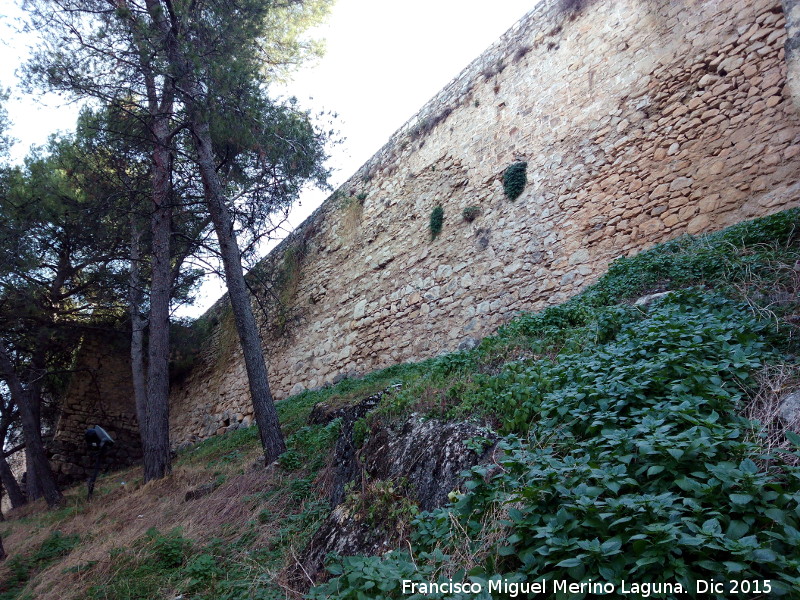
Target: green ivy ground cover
[{"x": 624, "y": 455}]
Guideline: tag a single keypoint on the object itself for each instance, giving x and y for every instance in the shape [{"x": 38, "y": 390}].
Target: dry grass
[
  {"x": 470, "y": 550},
  {"x": 775, "y": 383},
  {"x": 769, "y": 289},
  {"x": 119, "y": 515}
]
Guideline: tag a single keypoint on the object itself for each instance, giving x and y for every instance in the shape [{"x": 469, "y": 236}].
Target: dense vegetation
[
  {"x": 626, "y": 451},
  {"x": 625, "y": 454}
]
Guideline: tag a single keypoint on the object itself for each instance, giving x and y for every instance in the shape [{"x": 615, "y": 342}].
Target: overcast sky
[{"x": 383, "y": 61}]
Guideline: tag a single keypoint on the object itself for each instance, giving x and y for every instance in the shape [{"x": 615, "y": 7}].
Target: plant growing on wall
[
  {"x": 470, "y": 213},
  {"x": 437, "y": 220},
  {"x": 514, "y": 180}
]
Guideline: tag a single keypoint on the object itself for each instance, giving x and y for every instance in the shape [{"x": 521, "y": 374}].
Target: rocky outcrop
[
  {"x": 346, "y": 467},
  {"x": 427, "y": 453},
  {"x": 415, "y": 462},
  {"x": 789, "y": 411}
]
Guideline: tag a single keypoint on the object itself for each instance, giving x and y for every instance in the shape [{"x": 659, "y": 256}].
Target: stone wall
[
  {"x": 639, "y": 120},
  {"x": 100, "y": 392}
]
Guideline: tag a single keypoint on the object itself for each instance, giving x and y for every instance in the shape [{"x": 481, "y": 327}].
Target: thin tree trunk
[
  {"x": 35, "y": 447},
  {"x": 138, "y": 324},
  {"x": 9, "y": 482},
  {"x": 2, "y": 551},
  {"x": 10, "y": 413},
  {"x": 33, "y": 487},
  {"x": 155, "y": 430},
  {"x": 263, "y": 403},
  {"x": 154, "y": 416},
  {"x": 31, "y": 431}
]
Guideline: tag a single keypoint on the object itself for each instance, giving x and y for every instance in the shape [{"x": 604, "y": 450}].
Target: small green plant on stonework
[
  {"x": 437, "y": 220},
  {"x": 514, "y": 180},
  {"x": 470, "y": 213},
  {"x": 361, "y": 196},
  {"x": 286, "y": 284}
]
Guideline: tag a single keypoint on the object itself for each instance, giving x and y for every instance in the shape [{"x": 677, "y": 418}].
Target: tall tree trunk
[
  {"x": 138, "y": 324},
  {"x": 155, "y": 430},
  {"x": 32, "y": 433},
  {"x": 9, "y": 483},
  {"x": 10, "y": 413},
  {"x": 153, "y": 404},
  {"x": 33, "y": 486},
  {"x": 2, "y": 551},
  {"x": 34, "y": 446},
  {"x": 263, "y": 403}
]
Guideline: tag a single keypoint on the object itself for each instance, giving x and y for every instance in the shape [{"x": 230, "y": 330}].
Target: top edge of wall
[{"x": 544, "y": 18}]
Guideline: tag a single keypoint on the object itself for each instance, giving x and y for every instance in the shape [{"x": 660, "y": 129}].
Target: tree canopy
[{"x": 187, "y": 84}]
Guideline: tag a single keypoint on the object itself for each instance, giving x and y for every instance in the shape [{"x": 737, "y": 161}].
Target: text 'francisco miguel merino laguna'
[{"x": 543, "y": 586}]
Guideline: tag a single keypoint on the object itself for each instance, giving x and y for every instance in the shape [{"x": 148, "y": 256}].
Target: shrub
[
  {"x": 514, "y": 180},
  {"x": 437, "y": 220}
]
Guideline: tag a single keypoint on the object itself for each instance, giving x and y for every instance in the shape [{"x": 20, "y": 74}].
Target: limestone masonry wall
[
  {"x": 100, "y": 393},
  {"x": 639, "y": 120}
]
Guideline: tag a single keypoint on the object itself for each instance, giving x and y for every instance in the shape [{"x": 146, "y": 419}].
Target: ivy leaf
[
  {"x": 741, "y": 498},
  {"x": 570, "y": 562}
]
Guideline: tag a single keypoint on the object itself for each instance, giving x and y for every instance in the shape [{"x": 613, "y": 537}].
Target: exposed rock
[
  {"x": 427, "y": 455},
  {"x": 789, "y": 410},
  {"x": 649, "y": 298},
  {"x": 346, "y": 467},
  {"x": 430, "y": 454},
  {"x": 323, "y": 413},
  {"x": 344, "y": 533},
  {"x": 468, "y": 344}
]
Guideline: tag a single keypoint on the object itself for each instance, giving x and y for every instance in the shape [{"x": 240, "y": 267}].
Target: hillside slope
[{"x": 638, "y": 442}]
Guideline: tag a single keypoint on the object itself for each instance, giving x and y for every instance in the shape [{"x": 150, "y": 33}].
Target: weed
[
  {"x": 764, "y": 407},
  {"x": 385, "y": 506},
  {"x": 470, "y": 213},
  {"x": 221, "y": 449},
  {"x": 287, "y": 283}
]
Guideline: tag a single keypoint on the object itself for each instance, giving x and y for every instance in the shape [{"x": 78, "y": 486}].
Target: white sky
[{"x": 383, "y": 61}]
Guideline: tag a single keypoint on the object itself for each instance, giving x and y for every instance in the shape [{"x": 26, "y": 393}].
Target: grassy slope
[{"x": 624, "y": 453}]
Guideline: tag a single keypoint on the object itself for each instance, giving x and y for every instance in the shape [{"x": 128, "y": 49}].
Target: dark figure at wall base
[{"x": 98, "y": 441}]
